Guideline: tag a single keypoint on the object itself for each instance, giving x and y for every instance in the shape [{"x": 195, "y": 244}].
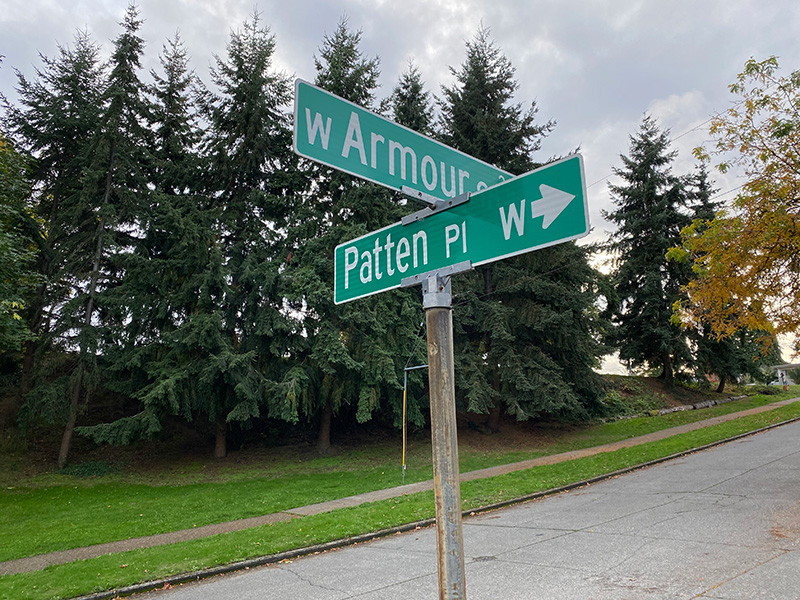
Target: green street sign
[
  {"x": 539, "y": 209},
  {"x": 347, "y": 137}
]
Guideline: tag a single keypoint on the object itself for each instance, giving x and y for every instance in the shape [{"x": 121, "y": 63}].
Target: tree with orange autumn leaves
[{"x": 747, "y": 259}]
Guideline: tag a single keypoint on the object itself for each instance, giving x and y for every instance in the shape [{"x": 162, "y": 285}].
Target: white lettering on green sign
[
  {"x": 541, "y": 208},
  {"x": 350, "y": 138}
]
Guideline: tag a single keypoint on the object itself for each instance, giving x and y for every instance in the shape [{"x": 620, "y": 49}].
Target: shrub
[{"x": 91, "y": 468}]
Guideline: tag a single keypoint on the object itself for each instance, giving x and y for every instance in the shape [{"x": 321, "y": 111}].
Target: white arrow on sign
[
  {"x": 490, "y": 227},
  {"x": 552, "y": 204}
]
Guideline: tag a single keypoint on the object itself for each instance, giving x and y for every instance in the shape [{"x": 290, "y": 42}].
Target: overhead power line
[{"x": 677, "y": 137}]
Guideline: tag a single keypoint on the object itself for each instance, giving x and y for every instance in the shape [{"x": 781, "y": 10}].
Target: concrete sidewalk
[{"x": 38, "y": 562}]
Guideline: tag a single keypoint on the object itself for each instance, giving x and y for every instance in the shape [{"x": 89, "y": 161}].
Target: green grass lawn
[
  {"x": 59, "y": 511},
  {"x": 71, "y": 512}
]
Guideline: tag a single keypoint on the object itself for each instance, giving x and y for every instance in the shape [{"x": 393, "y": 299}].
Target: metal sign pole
[
  {"x": 438, "y": 305},
  {"x": 436, "y": 300}
]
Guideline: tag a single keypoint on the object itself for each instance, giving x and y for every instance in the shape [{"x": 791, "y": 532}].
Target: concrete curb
[
  {"x": 316, "y": 549},
  {"x": 260, "y": 561}
]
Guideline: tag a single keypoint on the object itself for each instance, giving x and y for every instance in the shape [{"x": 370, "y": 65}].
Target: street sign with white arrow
[{"x": 541, "y": 208}]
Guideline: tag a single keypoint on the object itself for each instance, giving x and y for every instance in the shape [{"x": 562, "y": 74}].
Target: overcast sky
[{"x": 595, "y": 66}]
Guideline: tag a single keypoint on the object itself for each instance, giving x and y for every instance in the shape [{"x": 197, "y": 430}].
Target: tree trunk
[
  {"x": 487, "y": 281},
  {"x": 324, "y": 437},
  {"x": 66, "y": 439},
  {"x": 721, "y": 385},
  {"x": 38, "y": 325},
  {"x": 668, "y": 374},
  {"x": 221, "y": 439},
  {"x": 493, "y": 420},
  {"x": 26, "y": 382}
]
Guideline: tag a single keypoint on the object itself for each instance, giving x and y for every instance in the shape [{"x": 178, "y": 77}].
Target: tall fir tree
[
  {"x": 152, "y": 358},
  {"x": 411, "y": 105},
  {"x": 251, "y": 180},
  {"x": 700, "y": 193},
  {"x": 741, "y": 354},
  {"x": 88, "y": 134},
  {"x": 116, "y": 195},
  {"x": 410, "y": 102},
  {"x": 349, "y": 358},
  {"x": 651, "y": 210},
  {"x": 525, "y": 327},
  {"x": 55, "y": 122},
  {"x": 175, "y": 122},
  {"x": 18, "y": 232},
  {"x": 478, "y": 113}
]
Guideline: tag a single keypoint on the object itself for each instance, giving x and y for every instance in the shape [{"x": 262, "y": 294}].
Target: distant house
[{"x": 781, "y": 376}]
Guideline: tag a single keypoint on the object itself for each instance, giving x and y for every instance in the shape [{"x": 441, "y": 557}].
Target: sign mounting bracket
[
  {"x": 433, "y": 279},
  {"x": 437, "y": 205}
]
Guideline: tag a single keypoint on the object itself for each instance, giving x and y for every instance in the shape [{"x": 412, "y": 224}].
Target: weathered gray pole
[{"x": 436, "y": 300}]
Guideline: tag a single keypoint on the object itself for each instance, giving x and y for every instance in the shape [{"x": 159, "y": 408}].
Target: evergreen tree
[
  {"x": 59, "y": 125},
  {"x": 651, "y": 212},
  {"x": 58, "y": 117},
  {"x": 152, "y": 360},
  {"x": 18, "y": 230},
  {"x": 412, "y": 107},
  {"x": 525, "y": 327},
  {"x": 699, "y": 195},
  {"x": 90, "y": 141},
  {"x": 174, "y": 121},
  {"x": 349, "y": 356},
  {"x": 251, "y": 180},
  {"x": 740, "y": 354},
  {"x": 478, "y": 115},
  {"x": 745, "y": 351},
  {"x": 115, "y": 195},
  {"x": 411, "y": 104}
]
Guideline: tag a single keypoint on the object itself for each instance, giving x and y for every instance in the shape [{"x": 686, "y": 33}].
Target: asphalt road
[{"x": 723, "y": 524}]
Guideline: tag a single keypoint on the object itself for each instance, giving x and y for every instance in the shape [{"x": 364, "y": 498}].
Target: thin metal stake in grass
[{"x": 405, "y": 393}]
